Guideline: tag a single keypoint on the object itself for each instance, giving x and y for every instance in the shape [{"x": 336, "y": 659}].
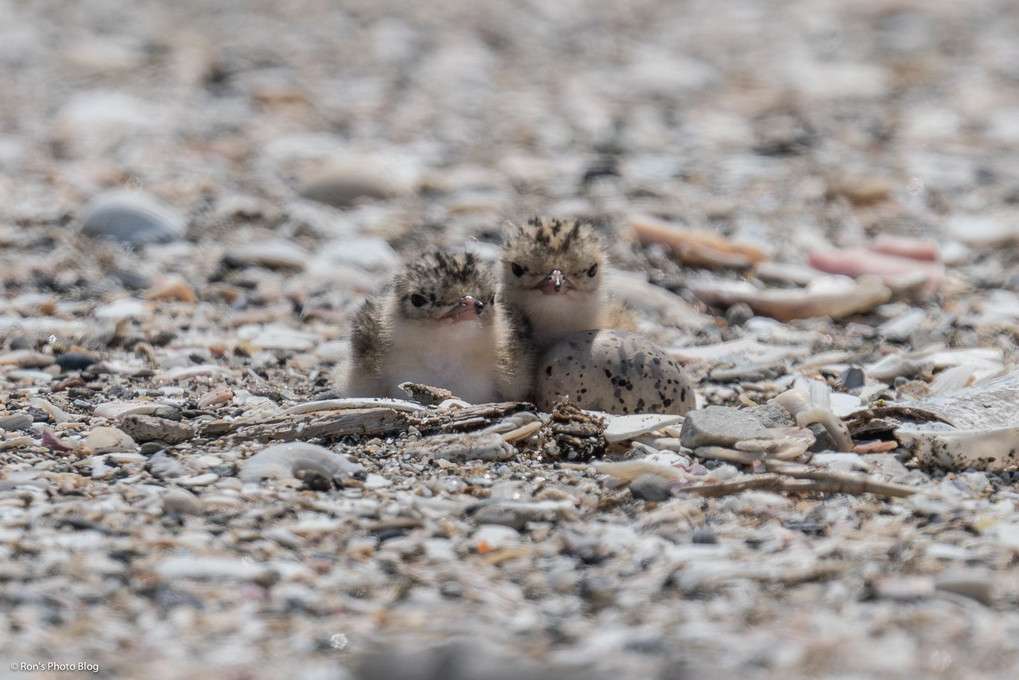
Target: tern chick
[
  {"x": 437, "y": 324},
  {"x": 553, "y": 281}
]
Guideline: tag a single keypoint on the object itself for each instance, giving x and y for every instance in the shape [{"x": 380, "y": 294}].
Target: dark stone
[
  {"x": 651, "y": 488},
  {"x": 150, "y": 448},
  {"x": 823, "y": 441},
  {"x": 852, "y": 378},
  {"x": 168, "y": 413},
  {"x": 74, "y": 361},
  {"x": 704, "y": 536},
  {"x": 738, "y": 314}
]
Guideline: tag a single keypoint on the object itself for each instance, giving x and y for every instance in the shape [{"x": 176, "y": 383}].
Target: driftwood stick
[
  {"x": 801, "y": 480},
  {"x": 379, "y": 422},
  {"x": 831, "y": 481}
]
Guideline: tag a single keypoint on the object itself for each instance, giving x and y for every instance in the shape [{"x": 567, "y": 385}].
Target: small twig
[{"x": 832, "y": 481}]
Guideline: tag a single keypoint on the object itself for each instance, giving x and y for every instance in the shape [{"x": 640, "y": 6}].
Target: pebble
[
  {"x": 771, "y": 414},
  {"x": 15, "y": 421},
  {"x": 172, "y": 288},
  {"x": 132, "y": 218},
  {"x": 180, "y": 502},
  {"x": 198, "y": 480},
  {"x": 143, "y": 428},
  {"x": 274, "y": 254},
  {"x": 720, "y": 426},
  {"x": 109, "y": 439},
  {"x": 369, "y": 253},
  {"x": 651, "y": 488},
  {"x": 347, "y": 179},
  {"x": 115, "y": 409},
  {"x": 74, "y": 361},
  {"x": 123, "y": 309},
  {"x": 490, "y": 446},
  {"x": 613, "y": 371},
  {"x": 26, "y": 358}
]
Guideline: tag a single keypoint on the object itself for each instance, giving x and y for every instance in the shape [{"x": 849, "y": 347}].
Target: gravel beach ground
[{"x": 807, "y": 200}]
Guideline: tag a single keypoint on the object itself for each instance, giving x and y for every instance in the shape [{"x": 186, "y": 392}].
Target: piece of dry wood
[
  {"x": 791, "y": 478},
  {"x": 840, "y": 482},
  {"x": 378, "y": 422}
]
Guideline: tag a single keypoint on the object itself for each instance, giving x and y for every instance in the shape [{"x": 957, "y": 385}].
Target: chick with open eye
[
  {"x": 553, "y": 273},
  {"x": 570, "y": 337},
  {"x": 437, "y": 324}
]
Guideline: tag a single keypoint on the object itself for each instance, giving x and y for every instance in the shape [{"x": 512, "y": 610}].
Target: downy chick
[
  {"x": 436, "y": 324},
  {"x": 552, "y": 279}
]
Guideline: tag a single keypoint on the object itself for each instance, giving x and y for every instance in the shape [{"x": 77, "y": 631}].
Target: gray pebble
[
  {"x": 149, "y": 428},
  {"x": 168, "y": 412},
  {"x": 738, "y": 314},
  {"x": 132, "y": 218},
  {"x": 150, "y": 448},
  {"x": 15, "y": 421},
  {"x": 651, "y": 488},
  {"x": 823, "y": 441},
  {"x": 345, "y": 181},
  {"x": 772, "y": 415},
  {"x": 613, "y": 371},
  {"x": 704, "y": 536},
  {"x": 720, "y": 426},
  {"x": 852, "y": 378},
  {"x": 181, "y": 502}
]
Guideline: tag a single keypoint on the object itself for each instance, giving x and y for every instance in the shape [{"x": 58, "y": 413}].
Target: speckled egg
[{"x": 613, "y": 371}]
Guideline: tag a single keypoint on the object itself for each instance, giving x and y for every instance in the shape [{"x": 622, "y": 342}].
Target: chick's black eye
[
  {"x": 417, "y": 300},
  {"x": 593, "y": 270},
  {"x": 517, "y": 269}
]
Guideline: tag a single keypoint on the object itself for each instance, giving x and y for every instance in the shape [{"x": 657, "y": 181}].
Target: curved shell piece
[
  {"x": 983, "y": 434},
  {"x": 284, "y": 461}
]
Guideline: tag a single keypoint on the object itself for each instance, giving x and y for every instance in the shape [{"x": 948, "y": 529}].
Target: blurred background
[{"x": 827, "y": 118}]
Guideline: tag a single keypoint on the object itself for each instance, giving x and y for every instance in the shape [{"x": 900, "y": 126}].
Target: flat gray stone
[
  {"x": 131, "y": 218},
  {"x": 149, "y": 428},
  {"x": 720, "y": 426},
  {"x": 772, "y": 415}
]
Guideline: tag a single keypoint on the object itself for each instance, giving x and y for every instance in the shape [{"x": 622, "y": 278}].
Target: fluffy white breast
[
  {"x": 553, "y": 317},
  {"x": 460, "y": 357}
]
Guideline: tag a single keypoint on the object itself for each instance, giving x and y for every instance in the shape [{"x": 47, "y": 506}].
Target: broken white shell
[
  {"x": 619, "y": 428},
  {"x": 982, "y": 434},
  {"x": 284, "y": 461}
]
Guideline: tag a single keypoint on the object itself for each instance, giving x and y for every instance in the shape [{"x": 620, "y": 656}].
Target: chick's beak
[
  {"x": 467, "y": 309},
  {"x": 555, "y": 283}
]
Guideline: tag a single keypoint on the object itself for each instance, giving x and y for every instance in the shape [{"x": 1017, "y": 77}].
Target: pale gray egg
[{"x": 613, "y": 371}]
